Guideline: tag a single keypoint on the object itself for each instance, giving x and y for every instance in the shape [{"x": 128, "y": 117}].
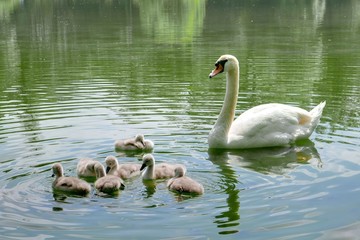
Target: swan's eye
[{"x": 221, "y": 62}]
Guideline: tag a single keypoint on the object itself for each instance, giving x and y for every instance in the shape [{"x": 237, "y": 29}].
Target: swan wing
[{"x": 269, "y": 125}]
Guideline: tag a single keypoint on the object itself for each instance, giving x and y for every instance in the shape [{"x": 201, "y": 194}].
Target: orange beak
[{"x": 218, "y": 69}]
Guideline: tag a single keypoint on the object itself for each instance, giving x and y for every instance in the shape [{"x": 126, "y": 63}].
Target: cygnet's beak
[
  {"x": 142, "y": 166},
  {"x": 107, "y": 170}
]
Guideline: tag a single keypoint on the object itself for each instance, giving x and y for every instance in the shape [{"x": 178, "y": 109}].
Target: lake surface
[{"x": 77, "y": 75}]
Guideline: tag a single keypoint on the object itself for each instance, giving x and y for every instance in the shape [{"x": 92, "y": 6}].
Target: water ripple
[{"x": 83, "y": 75}]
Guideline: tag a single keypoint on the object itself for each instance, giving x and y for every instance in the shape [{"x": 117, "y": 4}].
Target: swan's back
[{"x": 273, "y": 124}]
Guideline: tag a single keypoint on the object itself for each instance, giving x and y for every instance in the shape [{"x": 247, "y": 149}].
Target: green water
[{"x": 77, "y": 75}]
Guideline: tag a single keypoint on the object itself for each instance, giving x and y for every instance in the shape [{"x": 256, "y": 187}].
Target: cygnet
[
  {"x": 133, "y": 144},
  {"x": 124, "y": 170},
  {"x": 183, "y": 184},
  {"x": 70, "y": 185},
  {"x": 85, "y": 168},
  {"x": 109, "y": 184},
  {"x": 157, "y": 171}
]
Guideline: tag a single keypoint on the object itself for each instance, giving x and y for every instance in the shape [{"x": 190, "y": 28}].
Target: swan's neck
[
  {"x": 149, "y": 172},
  {"x": 219, "y": 134}
]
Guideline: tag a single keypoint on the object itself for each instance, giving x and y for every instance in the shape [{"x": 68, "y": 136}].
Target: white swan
[
  {"x": 70, "y": 185},
  {"x": 183, "y": 184},
  {"x": 265, "y": 125},
  {"x": 107, "y": 183},
  {"x": 132, "y": 144},
  {"x": 85, "y": 168},
  {"x": 158, "y": 171},
  {"x": 124, "y": 170}
]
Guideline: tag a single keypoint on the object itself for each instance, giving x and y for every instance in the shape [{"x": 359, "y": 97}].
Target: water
[{"x": 76, "y": 75}]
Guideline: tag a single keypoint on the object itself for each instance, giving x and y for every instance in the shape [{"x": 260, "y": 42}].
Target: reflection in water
[
  {"x": 231, "y": 216},
  {"x": 7, "y": 7},
  {"x": 319, "y": 7},
  {"x": 150, "y": 188},
  {"x": 75, "y": 72},
  {"x": 351, "y": 231},
  {"x": 59, "y": 197},
  {"x": 57, "y": 209},
  {"x": 279, "y": 161},
  {"x": 163, "y": 21},
  {"x": 179, "y": 197},
  {"x": 127, "y": 154}
]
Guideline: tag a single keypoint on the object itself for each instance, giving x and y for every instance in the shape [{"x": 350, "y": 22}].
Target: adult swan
[{"x": 265, "y": 125}]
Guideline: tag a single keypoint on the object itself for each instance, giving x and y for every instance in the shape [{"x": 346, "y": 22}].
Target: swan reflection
[
  {"x": 150, "y": 187},
  {"x": 278, "y": 161},
  {"x": 231, "y": 215}
]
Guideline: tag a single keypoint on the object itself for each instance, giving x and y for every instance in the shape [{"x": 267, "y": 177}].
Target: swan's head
[
  {"x": 58, "y": 170},
  {"x": 225, "y": 63},
  {"x": 148, "y": 160},
  {"x": 111, "y": 162}
]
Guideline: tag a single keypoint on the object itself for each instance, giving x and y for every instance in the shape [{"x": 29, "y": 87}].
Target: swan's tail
[{"x": 316, "y": 113}]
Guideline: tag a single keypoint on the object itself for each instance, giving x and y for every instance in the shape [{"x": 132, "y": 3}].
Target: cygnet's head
[
  {"x": 111, "y": 162},
  {"x": 225, "y": 63},
  {"x": 139, "y": 138},
  {"x": 179, "y": 172},
  {"x": 148, "y": 144},
  {"x": 58, "y": 170},
  {"x": 99, "y": 170},
  {"x": 148, "y": 160}
]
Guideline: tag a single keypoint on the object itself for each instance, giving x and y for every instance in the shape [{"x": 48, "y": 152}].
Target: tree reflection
[
  {"x": 169, "y": 21},
  {"x": 75, "y": 40},
  {"x": 7, "y": 7}
]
